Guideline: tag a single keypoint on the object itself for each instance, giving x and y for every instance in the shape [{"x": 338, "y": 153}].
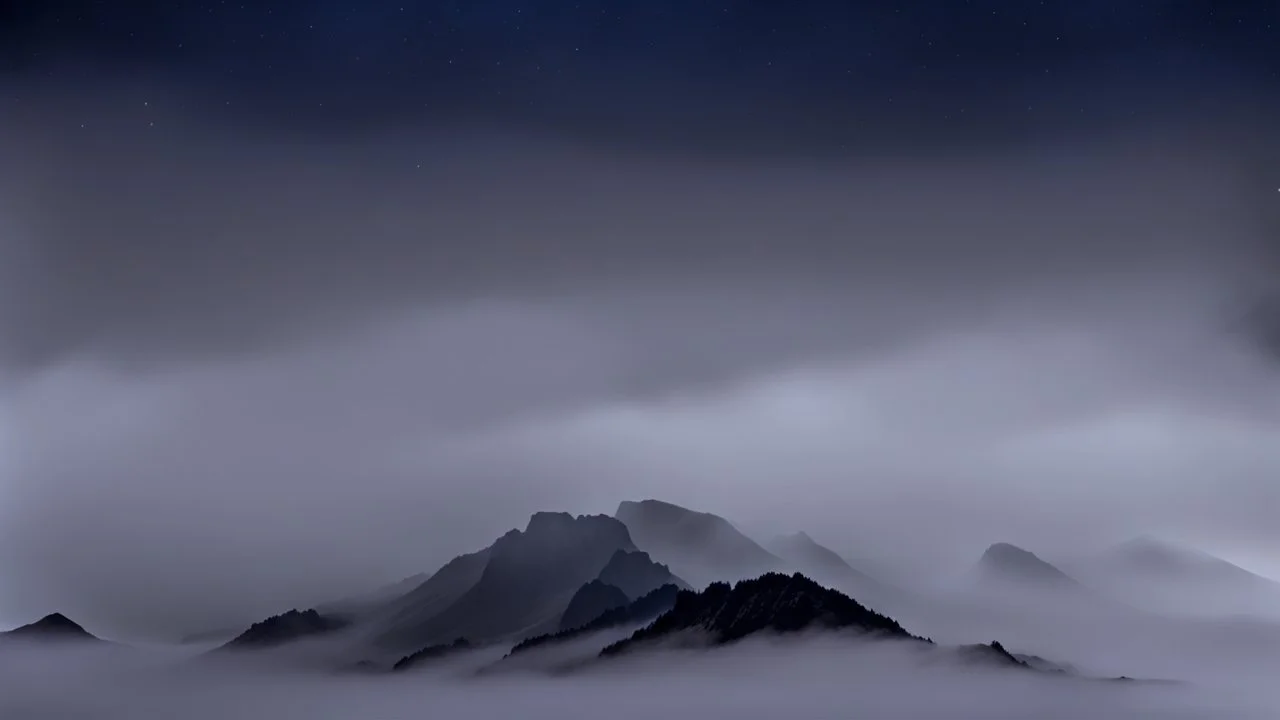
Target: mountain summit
[
  {"x": 1006, "y": 562},
  {"x": 518, "y": 586},
  {"x": 51, "y": 627},
  {"x": 697, "y": 546}
]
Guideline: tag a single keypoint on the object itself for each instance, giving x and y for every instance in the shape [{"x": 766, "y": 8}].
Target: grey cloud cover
[{"x": 243, "y": 373}]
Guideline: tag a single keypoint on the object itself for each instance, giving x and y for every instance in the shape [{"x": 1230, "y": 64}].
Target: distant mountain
[
  {"x": 697, "y": 546},
  {"x": 772, "y": 603},
  {"x": 374, "y": 600},
  {"x": 642, "y": 610},
  {"x": 51, "y": 628},
  {"x": 1167, "y": 577},
  {"x": 804, "y": 554},
  {"x": 590, "y": 602},
  {"x": 286, "y": 628},
  {"x": 1010, "y": 563},
  {"x": 526, "y": 583},
  {"x": 635, "y": 574}
]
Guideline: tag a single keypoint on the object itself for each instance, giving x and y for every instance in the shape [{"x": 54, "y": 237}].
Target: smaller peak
[
  {"x": 1007, "y": 558},
  {"x": 622, "y": 555},
  {"x": 1002, "y": 553},
  {"x": 52, "y": 625}
]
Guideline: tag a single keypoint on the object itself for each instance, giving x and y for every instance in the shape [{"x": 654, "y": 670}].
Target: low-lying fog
[{"x": 809, "y": 678}]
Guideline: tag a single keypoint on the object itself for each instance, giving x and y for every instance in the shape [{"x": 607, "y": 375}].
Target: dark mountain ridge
[
  {"x": 590, "y": 602},
  {"x": 773, "y": 603},
  {"x": 432, "y": 653},
  {"x": 526, "y": 582},
  {"x": 285, "y": 628},
  {"x": 644, "y": 609},
  {"x": 636, "y": 574},
  {"x": 54, "y": 627}
]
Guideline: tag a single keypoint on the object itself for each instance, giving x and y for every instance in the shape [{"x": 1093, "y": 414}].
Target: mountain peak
[
  {"x": 1010, "y": 561},
  {"x": 548, "y": 521},
  {"x": 699, "y": 546},
  {"x": 52, "y": 626}
]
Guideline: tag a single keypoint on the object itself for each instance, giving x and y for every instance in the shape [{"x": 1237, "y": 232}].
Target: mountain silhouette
[
  {"x": 590, "y": 602},
  {"x": 805, "y": 555},
  {"x": 410, "y": 615},
  {"x": 54, "y": 627},
  {"x": 526, "y": 583},
  {"x": 1010, "y": 563},
  {"x": 1167, "y": 577},
  {"x": 286, "y": 628},
  {"x": 1151, "y": 557},
  {"x": 772, "y": 603},
  {"x": 697, "y": 546},
  {"x": 635, "y": 574},
  {"x": 642, "y": 610}
]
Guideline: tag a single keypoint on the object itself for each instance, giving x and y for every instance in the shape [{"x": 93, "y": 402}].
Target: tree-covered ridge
[{"x": 772, "y": 602}]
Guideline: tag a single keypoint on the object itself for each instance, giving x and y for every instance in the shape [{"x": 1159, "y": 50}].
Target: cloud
[
  {"x": 251, "y": 371},
  {"x": 754, "y": 680}
]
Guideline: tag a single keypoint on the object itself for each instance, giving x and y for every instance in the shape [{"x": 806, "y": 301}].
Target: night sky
[
  {"x": 732, "y": 76},
  {"x": 299, "y": 297}
]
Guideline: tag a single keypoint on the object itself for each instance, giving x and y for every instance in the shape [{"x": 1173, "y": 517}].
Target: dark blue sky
[{"x": 684, "y": 70}]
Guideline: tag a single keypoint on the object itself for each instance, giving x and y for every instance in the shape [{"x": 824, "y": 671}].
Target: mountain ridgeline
[
  {"x": 286, "y": 628},
  {"x": 773, "y": 603},
  {"x": 612, "y": 585}
]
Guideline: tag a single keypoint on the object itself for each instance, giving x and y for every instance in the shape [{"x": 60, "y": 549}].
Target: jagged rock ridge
[{"x": 771, "y": 603}]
